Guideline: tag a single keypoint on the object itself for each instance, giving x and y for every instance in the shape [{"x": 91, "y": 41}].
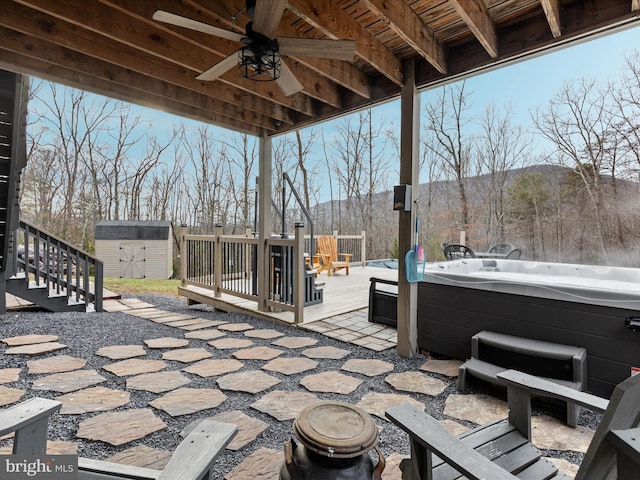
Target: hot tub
[{"x": 594, "y": 307}]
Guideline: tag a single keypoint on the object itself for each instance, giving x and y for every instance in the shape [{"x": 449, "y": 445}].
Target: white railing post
[
  {"x": 217, "y": 260},
  {"x": 298, "y": 274},
  {"x": 363, "y": 248}
]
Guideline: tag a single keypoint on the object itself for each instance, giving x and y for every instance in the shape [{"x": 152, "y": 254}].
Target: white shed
[{"x": 135, "y": 249}]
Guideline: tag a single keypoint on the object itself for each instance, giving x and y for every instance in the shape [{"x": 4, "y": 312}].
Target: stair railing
[{"x": 47, "y": 260}]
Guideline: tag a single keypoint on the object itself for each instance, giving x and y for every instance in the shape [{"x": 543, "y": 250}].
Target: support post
[
  {"x": 363, "y": 248},
  {"x": 298, "y": 274},
  {"x": 217, "y": 261},
  {"x": 409, "y": 175},
  {"x": 264, "y": 218}
]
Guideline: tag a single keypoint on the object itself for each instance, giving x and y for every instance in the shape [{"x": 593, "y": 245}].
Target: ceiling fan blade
[
  {"x": 287, "y": 81},
  {"x": 317, "y": 47},
  {"x": 219, "y": 68},
  {"x": 267, "y": 16},
  {"x": 180, "y": 21}
]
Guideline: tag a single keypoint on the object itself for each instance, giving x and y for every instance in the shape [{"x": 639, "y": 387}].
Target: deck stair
[{"x": 53, "y": 274}]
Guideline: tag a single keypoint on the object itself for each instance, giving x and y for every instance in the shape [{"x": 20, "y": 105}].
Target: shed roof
[{"x": 132, "y": 230}]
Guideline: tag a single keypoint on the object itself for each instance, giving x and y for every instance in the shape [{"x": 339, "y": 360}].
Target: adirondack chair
[
  {"x": 327, "y": 247},
  {"x": 192, "y": 460},
  {"x": 503, "y": 451}
]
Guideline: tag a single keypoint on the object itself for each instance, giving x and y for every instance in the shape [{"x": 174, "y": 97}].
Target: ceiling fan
[{"x": 259, "y": 58}]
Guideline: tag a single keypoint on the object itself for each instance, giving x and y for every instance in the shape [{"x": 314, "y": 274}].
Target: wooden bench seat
[
  {"x": 192, "y": 460},
  {"x": 502, "y": 450}
]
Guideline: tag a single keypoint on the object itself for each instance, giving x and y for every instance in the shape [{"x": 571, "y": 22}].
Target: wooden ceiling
[{"x": 115, "y": 48}]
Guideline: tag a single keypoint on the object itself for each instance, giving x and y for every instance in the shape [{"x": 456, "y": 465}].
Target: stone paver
[
  {"x": 326, "y": 352},
  {"x": 478, "y": 409},
  {"x": 236, "y": 327},
  {"x": 369, "y": 366},
  {"x": 568, "y": 468},
  {"x": 118, "y": 428},
  {"x": 9, "y": 395},
  {"x": 252, "y": 381},
  {"x": 57, "y": 364},
  {"x": 229, "y": 343},
  {"x": 551, "y": 434},
  {"x": 290, "y": 365},
  {"x": 166, "y": 342},
  {"x": 454, "y": 427},
  {"x": 248, "y": 428},
  {"x": 29, "y": 340},
  {"x": 214, "y": 366},
  {"x": 68, "y": 381},
  {"x": 9, "y": 375},
  {"x": 392, "y": 468},
  {"x": 375, "y": 403},
  {"x": 294, "y": 342},
  {"x": 120, "y": 352},
  {"x": 199, "y": 326},
  {"x": 448, "y": 368},
  {"x": 187, "y": 355},
  {"x": 263, "y": 464},
  {"x": 142, "y": 456},
  {"x": 185, "y": 401},
  {"x": 205, "y": 334},
  {"x": 158, "y": 382},
  {"x": 186, "y": 322},
  {"x": 96, "y": 399},
  {"x": 330, "y": 382},
  {"x": 266, "y": 333},
  {"x": 284, "y": 405},
  {"x": 35, "y": 349},
  {"x": 416, "y": 382},
  {"x": 258, "y": 353},
  {"x": 135, "y": 366}
]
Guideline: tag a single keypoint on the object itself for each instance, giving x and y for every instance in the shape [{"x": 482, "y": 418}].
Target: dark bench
[
  {"x": 383, "y": 302},
  {"x": 493, "y": 353}
]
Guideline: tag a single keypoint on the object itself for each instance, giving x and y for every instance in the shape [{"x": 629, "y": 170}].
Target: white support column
[
  {"x": 409, "y": 175},
  {"x": 264, "y": 218}
]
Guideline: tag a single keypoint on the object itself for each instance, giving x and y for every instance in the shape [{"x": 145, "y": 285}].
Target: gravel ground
[{"x": 86, "y": 333}]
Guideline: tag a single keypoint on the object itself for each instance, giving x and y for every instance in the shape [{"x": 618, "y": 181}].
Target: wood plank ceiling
[{"x": 116, "y": 48}]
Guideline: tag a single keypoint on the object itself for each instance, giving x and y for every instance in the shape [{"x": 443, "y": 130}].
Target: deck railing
[
  {"x": 228, "y": 264},
  {"x": 47, "y": 260}
]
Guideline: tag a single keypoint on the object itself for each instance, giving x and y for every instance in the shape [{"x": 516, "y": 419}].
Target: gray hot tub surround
[{"x": 594, "y": 307}]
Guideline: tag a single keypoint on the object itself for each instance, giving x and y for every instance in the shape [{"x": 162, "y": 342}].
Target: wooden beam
[
  {"x": 138, "y": 47},
  {"x": 333, "y": 22},
  {"x": 552, "y": 12},
  {"x": 475, "y": 14},
  {"x": 10, "y": 60},
  {"x": 406, "y": 23}
]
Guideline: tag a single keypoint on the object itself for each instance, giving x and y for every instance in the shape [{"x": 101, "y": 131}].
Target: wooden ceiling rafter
[
  {"x": 476, "y": 15},
  {"x": 552, "y": 11},
  {"x": 116, "y": 48},
  {"x": 406, "y": 23}
]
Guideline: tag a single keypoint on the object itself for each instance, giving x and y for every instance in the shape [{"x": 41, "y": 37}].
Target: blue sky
[{"x": 525, "y": 85}]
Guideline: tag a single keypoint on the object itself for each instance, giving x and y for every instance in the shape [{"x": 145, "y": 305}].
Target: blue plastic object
[{"x": 411, "y": 267}]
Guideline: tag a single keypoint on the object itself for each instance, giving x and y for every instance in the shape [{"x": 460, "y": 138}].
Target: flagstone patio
[{"x": 243, "y": 371}]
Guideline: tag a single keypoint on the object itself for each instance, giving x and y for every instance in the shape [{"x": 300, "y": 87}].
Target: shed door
[{"x": 132, "y": 260}]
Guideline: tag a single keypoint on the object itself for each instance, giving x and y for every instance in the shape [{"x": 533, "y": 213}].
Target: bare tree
[
  {"x": 578, "y": 124},
  {"x": 446, "y": 119}
]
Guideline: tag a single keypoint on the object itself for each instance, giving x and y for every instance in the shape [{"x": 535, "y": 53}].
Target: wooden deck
[{"x": 342, "y": 294}]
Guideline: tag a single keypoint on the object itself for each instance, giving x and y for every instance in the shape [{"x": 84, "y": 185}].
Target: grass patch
[{"x": 142, "y": 286}]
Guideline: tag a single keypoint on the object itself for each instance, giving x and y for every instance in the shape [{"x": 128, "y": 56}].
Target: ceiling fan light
[{"x": 260, "y": 66}]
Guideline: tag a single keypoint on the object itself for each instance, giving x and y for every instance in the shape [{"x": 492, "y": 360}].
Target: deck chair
[
  {"x": 502, "y": 450},
  {"x": 337, "y": 261},
  {"x": 503, "y": 248},
  {"x": 453, "y": 251},
  {"x": 192, "y": 460}
]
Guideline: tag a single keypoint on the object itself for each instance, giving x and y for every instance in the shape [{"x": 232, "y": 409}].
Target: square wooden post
[
  {"x": 409, "y": 175},
  {"x": 264, "y": 219}
]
